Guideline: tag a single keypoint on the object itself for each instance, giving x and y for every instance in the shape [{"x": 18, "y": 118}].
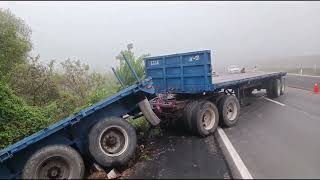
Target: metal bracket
[{"x": 5, "y": 156}]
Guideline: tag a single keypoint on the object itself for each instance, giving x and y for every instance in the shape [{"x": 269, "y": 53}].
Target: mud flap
[{"x": 145, "y": 108}]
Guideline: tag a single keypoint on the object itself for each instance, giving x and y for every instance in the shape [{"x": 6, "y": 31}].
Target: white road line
[
  {"x": 274, "y": 101},
  {"x": 241, "y": 167},
  {"x": 303, "y": 75}
]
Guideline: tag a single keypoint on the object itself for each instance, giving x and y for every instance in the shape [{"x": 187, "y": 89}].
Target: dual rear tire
[
  {"x": 205, "y": 118},
  {"x": 202, "y": 117},
  {"x": 276, "y": 88}
]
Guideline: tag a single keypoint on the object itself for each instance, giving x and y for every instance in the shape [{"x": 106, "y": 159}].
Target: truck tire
[
  {"x": 229, "y": 110},
  {"x": 112, "y": 142},
  {"x": 205, "y": 118},
  {"x": 274, "y": 88},
  {"x": 187, "y": 115},
  {"x": 54, "y": 162},
  {"x": 283, "y": 86}
]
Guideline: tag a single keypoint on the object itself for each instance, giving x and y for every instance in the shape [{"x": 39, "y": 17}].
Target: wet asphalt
[
  {"x": 273, "y": 141},
  {"x": 302, "y": 82},
  {"x": 277, "y": 141},
  {"x": 177, "y": 155}
]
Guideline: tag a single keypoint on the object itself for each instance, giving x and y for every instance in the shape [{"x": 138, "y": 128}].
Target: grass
[{"x": 144, "y": 130}]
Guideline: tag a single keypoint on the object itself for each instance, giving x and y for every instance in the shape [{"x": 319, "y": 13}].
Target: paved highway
[
  {"x": 275, "y": 139},
  {"x": 280, "y": 140},
  {"x": 303, "y": 82},
  {"x": 178, "y": 155}
]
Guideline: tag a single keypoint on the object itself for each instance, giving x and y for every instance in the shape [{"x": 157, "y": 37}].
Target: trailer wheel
[
  {"x": 283, "y": 86},
  {"x": 112, "y": 141},
  {"x": 229, "y": 110},
  {"x": 205, "y": 118},
  {"x": 187, "y": 115},
  {"x": 274, "y": 88},
  {"x": 54, "y": 162}
]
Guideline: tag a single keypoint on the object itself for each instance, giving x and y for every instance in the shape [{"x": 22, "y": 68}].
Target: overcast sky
[{"x": 235, "y": 32}]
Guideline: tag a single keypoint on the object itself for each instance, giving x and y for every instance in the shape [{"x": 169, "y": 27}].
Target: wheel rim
[
  {"x": 232, "y": 111},
  {"x": 208, "y": 120},
  {"x": 53, "y": 168},
  {"x": 114, "y": 141}
]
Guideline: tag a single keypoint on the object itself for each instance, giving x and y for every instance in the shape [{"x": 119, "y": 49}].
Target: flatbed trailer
[
  {"x": 190, "y": 92},
  {"x": 186, "y": 90},
  {"x": 226, "y": 80},
  {"x": 97, "y": 134}
]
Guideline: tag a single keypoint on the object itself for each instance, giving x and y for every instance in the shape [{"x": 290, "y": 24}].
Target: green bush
[
  {"x": 17, "y": 120},
  {"x": 34, "y": 95},
  {"x": 102, "y": 92},
  {"x": 140, "y": 124}
]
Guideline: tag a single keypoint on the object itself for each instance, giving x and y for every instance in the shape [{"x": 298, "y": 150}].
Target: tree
[
  {"x": 137, "y": 62},
  {"x": 76, "y": 78},
  {"x": 105, "y": 85},
  {"x": 35, "y": 82},
  {"x": 15, "y": 41}
]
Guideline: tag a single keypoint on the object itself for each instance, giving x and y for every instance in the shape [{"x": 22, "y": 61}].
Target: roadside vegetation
[{"x": 34, "y": 95}]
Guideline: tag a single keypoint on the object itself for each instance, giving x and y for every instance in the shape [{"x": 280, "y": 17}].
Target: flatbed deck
[
  {"x": 225, "y": 79},
  {"x": 71, "y": 139}
]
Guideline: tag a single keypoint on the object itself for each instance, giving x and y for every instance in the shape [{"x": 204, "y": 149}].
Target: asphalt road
[
  {"x": 276, "y": 141},
  {"x": 302, "y": 82},
  {"x": 177, "y": 155}
]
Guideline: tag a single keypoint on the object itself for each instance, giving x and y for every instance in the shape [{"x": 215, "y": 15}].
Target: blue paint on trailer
[
  {"x": 185, "y": 73},
  {"x": 181, "y": 73},
  {"x": 73, "y": 130},
  {"x": 191, "y": 73}
]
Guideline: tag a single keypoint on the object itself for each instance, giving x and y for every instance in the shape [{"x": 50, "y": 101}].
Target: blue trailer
[
  {"x": 99, "y": 134},
  {"x": 189, "y": 91},
  {"x": 183, "y": 87}
]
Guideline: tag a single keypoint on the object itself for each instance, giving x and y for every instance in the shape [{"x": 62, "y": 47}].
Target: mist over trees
[
  {"x": 14, "y": 41},
  {"x": 34, "y": 95},
  {"x": 137, "y": 63}
]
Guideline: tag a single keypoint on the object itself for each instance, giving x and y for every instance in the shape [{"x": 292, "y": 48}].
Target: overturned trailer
[{"x": 98, "y": 134}]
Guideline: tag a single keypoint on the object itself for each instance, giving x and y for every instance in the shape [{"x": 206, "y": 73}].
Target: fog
[{"x": 235, "y": 32}]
